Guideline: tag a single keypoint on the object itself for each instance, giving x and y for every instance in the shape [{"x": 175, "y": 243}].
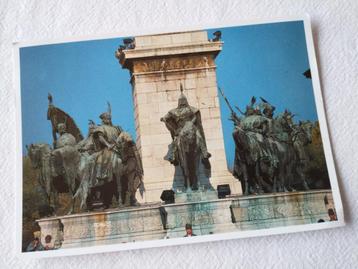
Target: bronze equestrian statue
[{"x": 188, "y": 147}]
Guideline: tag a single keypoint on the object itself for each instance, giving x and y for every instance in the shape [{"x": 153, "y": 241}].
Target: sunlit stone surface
[
  {"x": 158, "y": 65},
  {"x": 159, "y": 221}
]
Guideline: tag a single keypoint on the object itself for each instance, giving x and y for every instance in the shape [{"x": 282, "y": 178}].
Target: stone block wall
[{"x": 159, "y": 65}]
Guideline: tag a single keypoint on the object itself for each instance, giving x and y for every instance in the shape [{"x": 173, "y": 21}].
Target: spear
[{"x": 234, "y": 115}]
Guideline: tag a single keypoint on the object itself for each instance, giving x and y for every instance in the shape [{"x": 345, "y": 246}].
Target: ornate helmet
[
  {"x": 182, "y": 101},
  {"x": 267, "y": 108},
  {"x": 107, "y": 115},
  {"x": 249, "y": 111},
  {"x": 257, "y": 110}
]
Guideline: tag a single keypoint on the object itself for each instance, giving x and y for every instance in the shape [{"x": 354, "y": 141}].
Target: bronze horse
[
  {"x": 188, "y": 154},
  {"x": 65, "y": 179}
]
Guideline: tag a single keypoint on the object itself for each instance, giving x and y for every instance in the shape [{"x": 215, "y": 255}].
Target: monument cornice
[
  {"x": 173, "y": 71},
  {"x": 129, "y": 55}
]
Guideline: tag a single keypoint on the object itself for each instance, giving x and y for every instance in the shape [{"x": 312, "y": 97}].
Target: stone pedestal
[
  {"x": 279, "y": 210},
  {"x": 160, "y": 221},
  {"x": 205, "y": 217},
  {"x": 108, "y": 227},
  {"x": 158, "y": 64},
  {"x": 195, "y": 196},
  {"x": 53, "y": 227}
]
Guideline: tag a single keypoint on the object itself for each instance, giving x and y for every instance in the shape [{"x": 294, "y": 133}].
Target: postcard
[{"x": 170, "y": 137}]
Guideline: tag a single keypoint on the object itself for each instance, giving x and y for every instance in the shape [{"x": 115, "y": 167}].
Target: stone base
[
  {"x": 159, "y": 221},
  {"x": 153, "y": 191},
  {"x": 195, "y": 196}
]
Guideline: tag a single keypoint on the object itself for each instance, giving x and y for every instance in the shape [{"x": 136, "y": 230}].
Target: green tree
[{"x": 317, "y": 171}]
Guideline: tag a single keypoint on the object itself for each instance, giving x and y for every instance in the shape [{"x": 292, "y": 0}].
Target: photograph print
[{"x": 198, "y": 133}]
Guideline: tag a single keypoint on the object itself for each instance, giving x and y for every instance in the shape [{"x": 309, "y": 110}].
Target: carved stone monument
[
  {"x": 174, "y": 93},
  {"x": 158, "y": 65},
  {"x": 152, "y": 222}
]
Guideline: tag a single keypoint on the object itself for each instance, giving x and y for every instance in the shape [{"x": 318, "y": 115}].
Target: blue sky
[{"x": 263, "y": 60}]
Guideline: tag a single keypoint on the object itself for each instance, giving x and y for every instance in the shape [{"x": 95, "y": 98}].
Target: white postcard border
[{"x": 188, "y": 240}]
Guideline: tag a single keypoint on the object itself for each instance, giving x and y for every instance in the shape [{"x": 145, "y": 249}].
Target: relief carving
[{"x": 173, "y": 63}]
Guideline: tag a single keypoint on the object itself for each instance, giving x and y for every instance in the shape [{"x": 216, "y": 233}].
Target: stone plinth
[
  {"x": 276, "y": 210},
  {"x": 195, "y": 196},
  {"x": 158, "y": 65},
  {"x": 54, "y": 228},
  {"x": 206, "y": 217},
  {"x": 108, "y": 227},
  {"x": 160, "y": 221}
]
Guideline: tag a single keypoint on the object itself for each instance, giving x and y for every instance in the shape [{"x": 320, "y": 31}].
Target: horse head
[
  {"x": 283, "y": 126},
  {"x": 286, "y": 120},
  {"x": 36, "y": 153},
  {"x": 188, "y": 134}
]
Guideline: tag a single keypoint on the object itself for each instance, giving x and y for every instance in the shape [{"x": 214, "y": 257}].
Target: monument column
[{"x": 158, "y": 64}]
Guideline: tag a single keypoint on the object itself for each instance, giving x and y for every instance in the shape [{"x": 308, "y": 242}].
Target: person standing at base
[
  {"x": 35, "y": 245},
  {"x": 189, "y": 230},
  {"x": 332, "y": 215},
  {"x": 48, "y": 245}
]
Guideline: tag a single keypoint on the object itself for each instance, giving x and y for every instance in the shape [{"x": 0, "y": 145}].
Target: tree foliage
[{"x": 317, "y": 171}]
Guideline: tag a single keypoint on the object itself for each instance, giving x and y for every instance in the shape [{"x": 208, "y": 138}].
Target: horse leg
[
  {"x": 194, "y": 182},
  {"x": 125, "y": 193},
  {"x": 71, "y": 184},
  {"x": 49, "y": 201},
  {"x": 282, "y": 177},
  {"x": 302, "y": 171},
  {"x": 108, "y": 190},
  {"x": 267, "y": 183},
  {"x": 130, "y": 197},
  {"x": 274, "y": 186},
  {"x": 258, "y": 178},
  {"x": 55, "y": 202},
  {"x": 186, "y": 178},
  {"x": 269, "y": 176},
  {"x": 305, "y": 184},
  {"x": 245, "y": 182},
  {"x": 193, "y": 164},
  {"x": 274, "y": 179},
  {"x": 285, "y": 181},
  {"x": 290, "y": 174},
  {"x": 119, "y": 190},
  {"x": 132, "y": 189},
  {"x": 83, "y": 192},
  {"x": 72, "y": 206},
  {"x": 251, "y": 180},
  {"x": 265, "y": 179}
]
